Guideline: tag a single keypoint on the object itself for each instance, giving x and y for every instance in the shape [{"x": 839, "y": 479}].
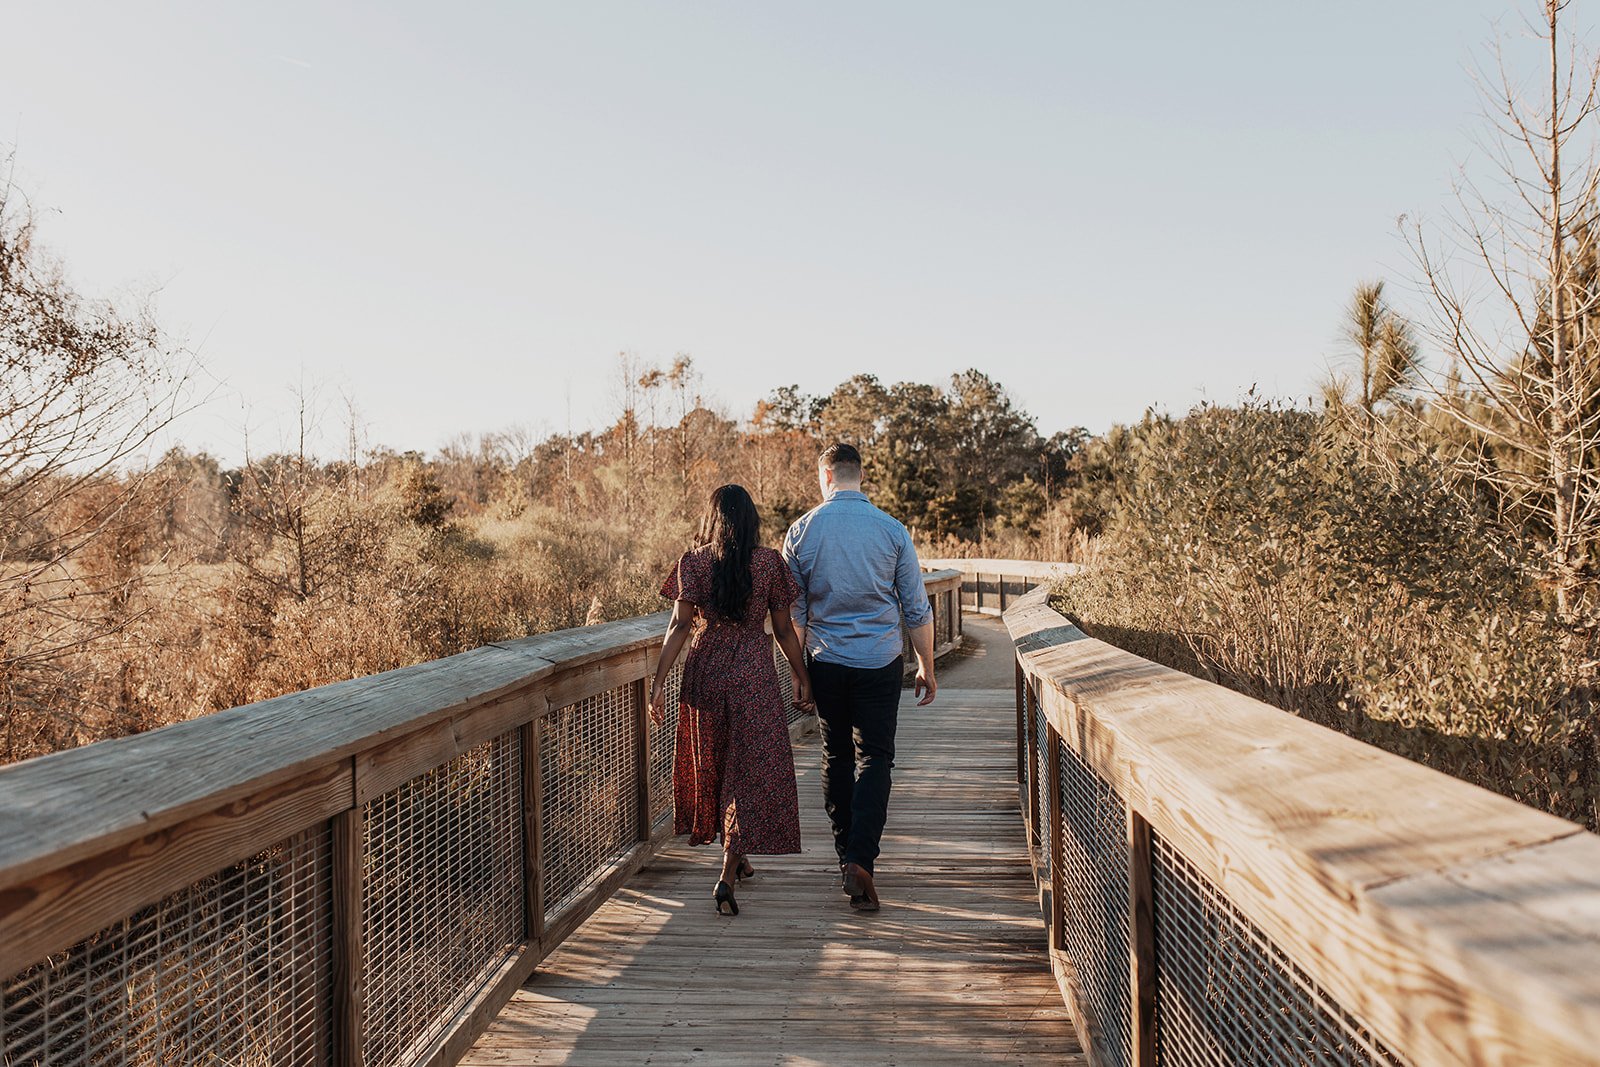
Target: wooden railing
[
  {"x": 359, "y": 874},
  {"x": 1225, "y": 883},
  {"x": 989, "y": 585}
]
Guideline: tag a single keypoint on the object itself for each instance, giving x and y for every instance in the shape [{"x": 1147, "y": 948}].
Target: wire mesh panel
[
  {"x": 587, "y": 757},
  {"x": 233, "y": 969},
  {"x": 663, "y": 750},
  {"x": 443, "y": 901},
  {"x": 1094, "y": 903},
  {"x": 780, "y": 663},
  {"x": 1225, "y": 994}
]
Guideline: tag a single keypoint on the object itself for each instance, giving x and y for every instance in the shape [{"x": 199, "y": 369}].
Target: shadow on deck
[{"x": 953, "y": 970}]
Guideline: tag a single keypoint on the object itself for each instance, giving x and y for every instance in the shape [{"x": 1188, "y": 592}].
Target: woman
[{"x": 734, "y": 771}]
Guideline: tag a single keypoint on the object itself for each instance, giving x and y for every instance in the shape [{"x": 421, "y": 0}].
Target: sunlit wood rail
[
  {"x": 951, "y": 972},
  {"x": 1226, "y": 883},
  {"x": 359, "y": 874},
  {"x": 366, "y": 873}
]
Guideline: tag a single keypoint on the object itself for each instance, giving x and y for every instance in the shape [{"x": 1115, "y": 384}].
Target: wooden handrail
[
  {"x": 1453, "y": 924},
  {"x": 91, "y": 836}
]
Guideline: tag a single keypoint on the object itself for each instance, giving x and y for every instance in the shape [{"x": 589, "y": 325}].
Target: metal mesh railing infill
[
  {"x": 233, "y": 969},
  {"x": 1225, "y": 994},
  {"x": 587, "y": 758},
  {"x": 1094, "y": 902},
  {"x": 663, "y": 751},
  {"x": 443, "y": 899}
]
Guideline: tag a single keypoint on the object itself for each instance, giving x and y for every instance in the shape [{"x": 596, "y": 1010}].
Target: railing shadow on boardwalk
[
  {"x": 364, "y": 873},
  {"x": 953, "y": 970}
]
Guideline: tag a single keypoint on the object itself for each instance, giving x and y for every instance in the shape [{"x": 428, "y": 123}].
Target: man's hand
[{"x": 922, "y": 648}]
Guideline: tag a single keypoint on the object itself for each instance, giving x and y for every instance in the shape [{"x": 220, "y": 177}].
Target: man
[{"x": 859, "y": 578}]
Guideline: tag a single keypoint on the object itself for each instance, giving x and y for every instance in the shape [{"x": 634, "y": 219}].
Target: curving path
[{"x": 951, "y": 971}]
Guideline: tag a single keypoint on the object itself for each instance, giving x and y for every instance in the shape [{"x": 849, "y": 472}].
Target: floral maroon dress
[{"x": 734, "y": 770}]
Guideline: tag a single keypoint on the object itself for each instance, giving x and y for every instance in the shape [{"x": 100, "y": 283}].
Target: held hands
[
  {"x": 802, "y": 693},
  {"x": 925, "y": 680}
]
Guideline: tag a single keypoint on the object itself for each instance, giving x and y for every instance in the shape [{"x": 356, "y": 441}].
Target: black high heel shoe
[
  {"x": 724, "y": 895},
  {"x": 744, "y": 870}
]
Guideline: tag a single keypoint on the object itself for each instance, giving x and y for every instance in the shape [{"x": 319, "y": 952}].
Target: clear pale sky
[{"x": 459, "y": 214}]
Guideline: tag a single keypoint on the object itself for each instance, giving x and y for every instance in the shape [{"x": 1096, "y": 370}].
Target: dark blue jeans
[{"x": 858, "y": 708}]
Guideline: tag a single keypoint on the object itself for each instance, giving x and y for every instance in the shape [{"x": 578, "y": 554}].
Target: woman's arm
[
  {"x": 794, "y": 652},
  {"x": 678, "y": 631}
]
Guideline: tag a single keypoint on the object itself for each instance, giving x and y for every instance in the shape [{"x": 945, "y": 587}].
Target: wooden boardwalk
[{"x": 953, "y": 970}]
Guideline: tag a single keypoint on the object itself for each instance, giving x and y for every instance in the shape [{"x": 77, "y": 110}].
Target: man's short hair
[{"x": 842, "y": 459}]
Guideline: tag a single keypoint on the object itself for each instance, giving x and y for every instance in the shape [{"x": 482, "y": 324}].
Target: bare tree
[
  {"x": 1524, "y": 344},
  {"x": 85, "y": 388}
]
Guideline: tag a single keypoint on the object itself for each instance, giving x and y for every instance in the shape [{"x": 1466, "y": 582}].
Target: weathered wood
[
  {"x": 389, "y": 766},
  {"x": 640, "y": 700},
  {"x": 349, "y": 958},
  {"x": 1313, "y": 835},
  {"x": 56, "y": 910},
  {"x": 532, "y": 830},
  {"x": 1033, "y": 570},
  {"x": 1054, "y": 919},
  {"x": 476, "y": 1015},
  {"x": 61, "y": 808},
  {"x": 593, "y": 679},
  {"x": 1022, "y": 727},
  {"x": 1141, "y": 943},
  {"x": 952, "y": 971}
]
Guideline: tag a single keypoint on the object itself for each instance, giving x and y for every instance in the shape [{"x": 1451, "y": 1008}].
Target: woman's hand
[
  {"x": 658, "y": 703},
  {"x": 802, "y": 693}
]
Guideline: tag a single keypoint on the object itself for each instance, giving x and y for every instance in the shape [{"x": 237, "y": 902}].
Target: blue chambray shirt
[{"x": 859, "y": 576}]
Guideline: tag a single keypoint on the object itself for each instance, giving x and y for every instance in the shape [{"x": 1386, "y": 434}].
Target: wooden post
[
  {"x": 1001, "y": 579},
  {"x": 349, "y": 962},
  {"x": 1056, "y": 916},
  {"x": 1035, "y": 716},
  {"x": 977, "y": 591},
  {"x": 641, "y": 755},
  {"x": 533, "y": 829},
  {"x": 1141, "y": 943},
  {"x": 1022, "y": 729}
]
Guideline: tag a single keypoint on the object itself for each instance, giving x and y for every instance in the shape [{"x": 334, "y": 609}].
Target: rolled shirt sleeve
[{"x": 908, "y": 584}]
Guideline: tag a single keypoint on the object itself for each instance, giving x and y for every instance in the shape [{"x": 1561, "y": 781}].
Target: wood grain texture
[
  {"x": 56, "y": 910},
  {"x": 60, "y": 808},
  {"x": 953, "y": 970},
  {"x": 1141, "y": 943},
  {"x": 1339, "y": 852},
  {"x": 349, "y": 961}
]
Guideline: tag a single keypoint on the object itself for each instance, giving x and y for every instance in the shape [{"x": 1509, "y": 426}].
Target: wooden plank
[
  {"x": 1141, "y": 943},
  {"x": 1055, "y": 920},
  {"x": 387, "y": 767},
  {"x": 592, "y": 679},
  {"x": 349, "y": 959},
  {"x": 56, "y": 910},
  {"x": 61, "y": 808},
  {"x": 954, "y": 970},
  {"x": 532, "y": 830},
  {"x": 1310, "y": 834},
  {"x": 640, "y": 701}
]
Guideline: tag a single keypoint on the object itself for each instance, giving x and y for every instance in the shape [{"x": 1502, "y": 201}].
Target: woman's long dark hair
[{"x": 733, "y": 530}]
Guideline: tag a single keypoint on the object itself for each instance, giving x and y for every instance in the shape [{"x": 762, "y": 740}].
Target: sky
[{"x": 455, "y": 216}]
